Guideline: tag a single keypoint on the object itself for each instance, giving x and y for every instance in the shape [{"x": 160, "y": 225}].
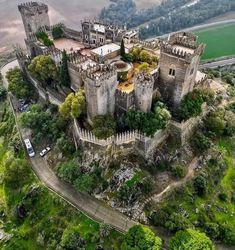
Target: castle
[{"x": 95, "y": 65}]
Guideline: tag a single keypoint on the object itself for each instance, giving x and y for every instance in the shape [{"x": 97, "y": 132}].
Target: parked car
[{"x": 45, "y": 151}]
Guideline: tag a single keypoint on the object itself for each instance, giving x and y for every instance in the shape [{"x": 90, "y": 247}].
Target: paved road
[
  {"x": 198, "y": 27},
  {"x": 92, "y": 207},
  {"x": 222, "y": 62}
]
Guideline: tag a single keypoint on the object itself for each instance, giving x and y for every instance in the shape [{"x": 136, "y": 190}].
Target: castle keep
[{"x": 95, "y": 65}]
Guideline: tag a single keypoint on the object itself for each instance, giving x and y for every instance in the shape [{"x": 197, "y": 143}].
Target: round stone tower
[{"x": 144, "y": 84}]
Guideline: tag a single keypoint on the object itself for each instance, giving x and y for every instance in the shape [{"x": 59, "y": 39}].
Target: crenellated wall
[{"x": 131, "y": 139}]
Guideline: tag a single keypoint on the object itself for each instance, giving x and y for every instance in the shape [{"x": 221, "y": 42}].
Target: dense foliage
[
  {"x": 84, "y": 180},
  {"x": 44, "y": 123},
  {"x": 170, "y": 15},
  {"x": 73, "y": 106},
  {"x": 191, "y": 105},
  {"x": 17, "y": 83},
  {"x": 57, "y": 32},
  {"x": 43, "y": 37},
  {"x": 141, "y": 238},
  {"x": 63, "y": 71},
  {"x": 190, "y": 239},
  {"x": 104, "y": 126},
  {"x": 148, "y": 123},
  {"x": 43, "y": 68}
]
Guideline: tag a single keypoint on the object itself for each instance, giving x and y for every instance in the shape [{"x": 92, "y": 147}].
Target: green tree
[
  {"x": 122, "y": 49},
  {"x": 43, "y": 68},
  {"x": 200, "y": 185},
  {"x": 69, "y": 171},
  {"x": 145, "y": 57},
  {"x": 16, "y": 172},
  {"x": 141, "y": 238},
  {"x": 57, "y": 32},
  {"x": 190, "y": 240},
  {"x": 104, "y": 126},
  {"x": 64, "y": 72},
  {"x": 73, "y": 106},
  {"x": 17, "y": 84},
  {"x": 43, "y": 38},
  {"x": 84, "y": 183},
  {"x": 3, "y": 93},
  {"x": 191, "y": 105}
]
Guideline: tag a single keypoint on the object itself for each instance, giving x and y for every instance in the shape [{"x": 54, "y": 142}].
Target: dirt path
[{"x": 175, "y": 184}]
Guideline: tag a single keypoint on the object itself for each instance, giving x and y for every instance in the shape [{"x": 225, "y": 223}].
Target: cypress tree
[
  {"x": 64, "y": 72},
  {"x": 122, "y": 49}
]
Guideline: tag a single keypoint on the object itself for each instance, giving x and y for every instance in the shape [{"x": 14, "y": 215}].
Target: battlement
[
  {"x": 187, "y": 39},
  {"x": 147, "y": 44},
  {"x": 183, "y": 45},
  {"x": 100, "y": 72},
  {"x": 144, "y": 80},
  {"x": 32, "y": 7},
  {"x": 77, "y": 58},
  {"x": 21, "y": 56}
]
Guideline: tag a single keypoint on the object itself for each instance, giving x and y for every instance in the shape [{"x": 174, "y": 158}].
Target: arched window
[{"x": 172, "y": 70}]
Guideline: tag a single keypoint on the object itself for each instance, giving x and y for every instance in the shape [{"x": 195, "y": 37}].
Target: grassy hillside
[
  {"x": 220, "y": 41},
  {"x": 32, "y": 216}
]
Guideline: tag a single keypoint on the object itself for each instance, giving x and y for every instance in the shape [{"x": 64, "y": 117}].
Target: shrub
[
  {"x": 148, "y": 123},
  {"x": 223, "y": 196},
  {"x": 104, "y": 126},
  {"x": 178, "y": 171},
  {"x": 190, "y": 239},
  {"x": 3, "y": 93},
  {"x": 200, "y": 185},
  {"x": 43, "y": 37},
  {"x": 141, "y": 237},
  {"x": 17, "y": 84},
  {"x": 227, "y": 234},
  {"x": 191, "y": 105},
  {"x": 57, "y": 32},
  {"x": 200, "y": 143},
  {"x": 212, "y": 230}
]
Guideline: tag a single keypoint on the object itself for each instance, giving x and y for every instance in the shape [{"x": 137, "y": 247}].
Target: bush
[
  {"x": 212, "y": 230},
  {"x": 104, "y": 126},
  {"x": 43, "y": 37},
  {"x": 141, "y": 237},
  {"x": 227, "y": 234},
  {"x": 178, "y": 171},
  {"x": 3, "y": 93},
  {"x": 17, "y": 84},
  {"x": 200, "y": 143},
  {"x": 191, "y": 105},
  {"x": 57, "y": 32},
  {"x": 200, "y": 185},
  {"x": 223, "y": 196},
  {"x": 190, "y": 240},
  {"x": 148, "y": 123}
]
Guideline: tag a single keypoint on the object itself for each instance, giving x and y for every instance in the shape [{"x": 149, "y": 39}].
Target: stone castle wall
[{"x": 131, "y": 139}]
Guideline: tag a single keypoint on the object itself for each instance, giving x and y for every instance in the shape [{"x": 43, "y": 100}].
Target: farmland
[{"x": 219, "y": 40}]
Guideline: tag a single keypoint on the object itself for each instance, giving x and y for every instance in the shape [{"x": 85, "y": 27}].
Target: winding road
[{"x": 92, "y": 207}]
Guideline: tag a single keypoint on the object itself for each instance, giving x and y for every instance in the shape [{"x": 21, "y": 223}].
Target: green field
[{"x": 220, "y": 41}]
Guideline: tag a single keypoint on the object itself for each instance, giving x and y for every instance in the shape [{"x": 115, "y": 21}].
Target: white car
[{"x": 45, "y": 151}]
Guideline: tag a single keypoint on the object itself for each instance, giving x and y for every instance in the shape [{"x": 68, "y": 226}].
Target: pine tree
[
  {"x": 122, "y": 50},
  {"x": 64, "y": 72}
]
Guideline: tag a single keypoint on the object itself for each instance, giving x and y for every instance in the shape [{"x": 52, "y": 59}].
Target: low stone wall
[{"x": 130, "y": 139}]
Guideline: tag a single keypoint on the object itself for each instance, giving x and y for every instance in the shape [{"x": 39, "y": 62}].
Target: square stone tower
[
  {"x": 100, "y": 84},
  {"x": 35, "y": 17},
  {"x": 178, "y": 64}
]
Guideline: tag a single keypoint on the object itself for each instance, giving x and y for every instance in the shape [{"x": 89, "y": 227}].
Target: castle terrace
[
  {"x": 69, "y": 45},
  {"x": 108, "y": 51},
  {"x": 184, "y": 49}
]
